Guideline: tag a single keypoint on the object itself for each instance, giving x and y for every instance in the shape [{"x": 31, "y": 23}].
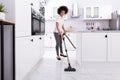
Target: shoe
[
  {"x": 58, "y": 58},
  {"x": 63, "y": 55}
]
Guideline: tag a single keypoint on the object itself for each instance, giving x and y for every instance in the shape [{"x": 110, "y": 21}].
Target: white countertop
[{"x": 100, "y": 31}]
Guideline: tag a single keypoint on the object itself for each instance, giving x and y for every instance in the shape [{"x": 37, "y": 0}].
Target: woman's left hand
[{"x": 63, "y": 37}]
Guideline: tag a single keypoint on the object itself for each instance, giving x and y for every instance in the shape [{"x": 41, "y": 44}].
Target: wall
[
  {"x": 10, "y": 15},
  {"x": 78, "y": 23}
]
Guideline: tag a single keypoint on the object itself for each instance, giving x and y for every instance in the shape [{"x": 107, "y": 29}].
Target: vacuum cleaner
[{"x": 69, "y": 68}]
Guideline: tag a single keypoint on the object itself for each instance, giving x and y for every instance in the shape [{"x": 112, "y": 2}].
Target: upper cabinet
[
  {"x": 43, "y": 2},
  {"x": 35, "y": 4},
  {"x": 97, "y": 12},
  {"x": 75, "y": 10},
  {"x": 51, "y": 13},
  {"x": 23, "y": 17}
]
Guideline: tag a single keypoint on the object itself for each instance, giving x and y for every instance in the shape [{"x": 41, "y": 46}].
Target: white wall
[
  {"x": 10, "y": 15},
  {"x": 78, "y": 24}
]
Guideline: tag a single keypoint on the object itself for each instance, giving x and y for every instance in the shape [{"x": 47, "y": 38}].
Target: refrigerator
[{"x": 115, "y": 21}]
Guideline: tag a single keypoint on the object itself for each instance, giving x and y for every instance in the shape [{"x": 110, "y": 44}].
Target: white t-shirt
[{"x": 60, "y": 20}]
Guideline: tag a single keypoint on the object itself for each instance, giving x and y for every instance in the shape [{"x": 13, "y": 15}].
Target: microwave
[{"x": 37, "y": 23}]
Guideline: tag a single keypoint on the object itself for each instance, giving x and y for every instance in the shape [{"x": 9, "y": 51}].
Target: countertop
[
  {"x": 101, "y": 31},
  {"x": 7, "y": 21}
]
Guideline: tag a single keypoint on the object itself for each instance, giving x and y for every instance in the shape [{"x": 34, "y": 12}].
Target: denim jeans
[{"x": 58, "y": 39}]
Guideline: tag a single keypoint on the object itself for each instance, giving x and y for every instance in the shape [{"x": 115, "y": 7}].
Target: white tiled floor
[{"x": 51, "y": 69}]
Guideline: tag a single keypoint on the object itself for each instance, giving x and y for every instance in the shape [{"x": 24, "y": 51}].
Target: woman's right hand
[{"x": 62, "y": 37}]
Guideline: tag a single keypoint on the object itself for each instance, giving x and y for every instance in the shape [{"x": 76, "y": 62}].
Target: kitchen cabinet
[
  {"x": 29, "y": 51},
  {"x": 97, "y": 12},
  {"x": 20, "y": 12},
  {"x": 79, "y": 48},
  {"x": 43, "y": 2},
  {"x": 24, "y": 53},
  {"x": 72, "y": 37},
  {"x": 35, "y": 4},
  {"x": 94, "y": 46},
  {"x": 48, "y": 14},
  {"x": 106, "y": 12},
  {"x": 50, "y": 40},
  {"x": 23, "y": 17},
  {"x": 114, "y": 47},
  {"x": 51, "y": 13}
]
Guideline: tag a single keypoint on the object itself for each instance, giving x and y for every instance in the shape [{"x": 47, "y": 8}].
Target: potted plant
[{"x": 2, "y": 11}]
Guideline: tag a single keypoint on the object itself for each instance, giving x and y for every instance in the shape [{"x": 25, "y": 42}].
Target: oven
[{"x": 37, "y": 23}]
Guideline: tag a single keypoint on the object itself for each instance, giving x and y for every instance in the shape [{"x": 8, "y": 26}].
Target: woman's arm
[
  {"x": 64, "y": 29},
  {"x": 57, "y": 25}
]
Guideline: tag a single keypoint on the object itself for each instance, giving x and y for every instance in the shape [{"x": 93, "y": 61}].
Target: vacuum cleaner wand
[
  {"x": 69, "y": 68},
  {"x": 70, "y": 41}
]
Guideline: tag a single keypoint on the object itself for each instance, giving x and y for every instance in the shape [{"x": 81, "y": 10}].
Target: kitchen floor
[{"x": 51, "y": 69}]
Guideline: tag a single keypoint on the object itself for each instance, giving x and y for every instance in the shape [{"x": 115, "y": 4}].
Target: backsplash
[{"x": 77, "y": 24}]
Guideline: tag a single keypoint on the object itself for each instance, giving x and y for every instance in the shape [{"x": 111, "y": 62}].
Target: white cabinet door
[
  {"x": 97, "y": 12},
  {"x": 29, "y": 50},
  {"x": 38, "y": 47},
  {"x": 72, "y": 37},
  {"x": 106, "y": 12},
  {"x": 79, "y": 48},
  {"x": 24, "y": 55},
  {"x": 91, "y": 12},
  {"x": 36, "y": 5},
  {"x": 23, "y": 17},
  {"x": 48, "y": 41},
  {"x": 53, "y": 44},
  {"x": 88, "y": 12},
  {"x": 42, "y": 45},
  {"x": 51, "y": 13},
  {"x": 94, "y": 47},
  {"x": 113, "y": 47},
  {"x": 48, "y": 14}
]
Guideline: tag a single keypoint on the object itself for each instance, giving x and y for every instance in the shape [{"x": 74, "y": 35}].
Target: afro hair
[{"x": 62, "y": 8}]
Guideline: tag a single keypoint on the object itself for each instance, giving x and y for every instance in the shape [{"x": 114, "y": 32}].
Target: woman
[{"x": 59, "y": 29}]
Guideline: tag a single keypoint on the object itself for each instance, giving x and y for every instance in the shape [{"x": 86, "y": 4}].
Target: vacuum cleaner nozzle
[{"x": 70, "y": 69}]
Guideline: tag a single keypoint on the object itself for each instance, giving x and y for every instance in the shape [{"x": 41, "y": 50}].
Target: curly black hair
[{"x": 62, "y": 8}]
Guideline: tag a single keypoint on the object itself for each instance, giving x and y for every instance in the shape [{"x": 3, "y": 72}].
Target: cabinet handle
[
  {"x": 31, "y": 4},
  {"x": 31, "y": 40},
  {"x": 40, "y": 38},
  {"x": 106, "y": 36}
]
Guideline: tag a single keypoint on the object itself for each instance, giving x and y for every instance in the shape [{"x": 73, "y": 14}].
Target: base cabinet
[
  {"x": 94, "y": 47},
  {"x": 50, "y": 41},
  {"x": 98, "y": 47},
  {"x": 29, "y": 51},
  {"x": 114, "y": 47},
  {"x": 79, "y": 48},
  {"x": 72, "y": 37}
]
